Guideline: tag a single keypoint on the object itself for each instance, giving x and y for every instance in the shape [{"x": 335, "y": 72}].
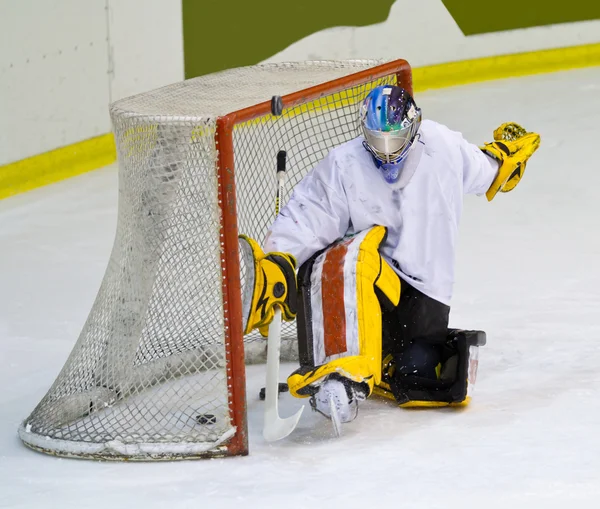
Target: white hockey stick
[{"x": 274, "y": 427}]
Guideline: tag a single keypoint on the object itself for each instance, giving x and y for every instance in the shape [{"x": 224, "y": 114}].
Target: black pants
[{"x": 414, "y": 331}]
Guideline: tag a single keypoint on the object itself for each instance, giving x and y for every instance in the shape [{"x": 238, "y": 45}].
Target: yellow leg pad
[
  {"x": 357, "y": 368},
  {"x": 383, "y": 390},
  {"x": 434, "y": 404}
]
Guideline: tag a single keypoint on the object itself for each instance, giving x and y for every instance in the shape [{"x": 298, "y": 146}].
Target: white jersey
[{"x": 346, "y": 193}]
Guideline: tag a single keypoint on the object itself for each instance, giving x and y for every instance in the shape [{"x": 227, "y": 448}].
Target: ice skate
[{"x": 338, "y": 401}]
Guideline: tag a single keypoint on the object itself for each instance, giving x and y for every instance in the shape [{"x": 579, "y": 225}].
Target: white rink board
[
  {"x": 146, "y": 45},
  {"x": 54, "y": 84},
  {"x": 527, "y": 274}
]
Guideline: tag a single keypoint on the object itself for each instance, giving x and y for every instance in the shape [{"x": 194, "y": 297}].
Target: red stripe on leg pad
[{"x": 334, "y": 312}]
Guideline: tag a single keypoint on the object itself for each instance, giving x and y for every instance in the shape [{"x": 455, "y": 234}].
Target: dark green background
[
  {"x": 482, "y": 16},
  {"x": 221, "y": 34}
]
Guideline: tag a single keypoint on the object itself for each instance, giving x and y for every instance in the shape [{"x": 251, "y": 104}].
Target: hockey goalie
[{"x": 373, "y": 230}]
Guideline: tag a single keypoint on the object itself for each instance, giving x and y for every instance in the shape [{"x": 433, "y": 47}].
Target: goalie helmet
[{"x": 390, "y": 120}]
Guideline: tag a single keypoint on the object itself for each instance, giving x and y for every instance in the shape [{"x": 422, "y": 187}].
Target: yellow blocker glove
[
  {"x": 512, "y": 147},
  {"x": 270, "y": 281}
]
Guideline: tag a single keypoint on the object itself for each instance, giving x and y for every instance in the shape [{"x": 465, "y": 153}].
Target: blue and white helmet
[{"x": 390, "y": 120}]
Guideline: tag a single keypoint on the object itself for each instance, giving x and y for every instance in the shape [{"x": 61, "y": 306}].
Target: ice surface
[{"x": 527, "y": 274}]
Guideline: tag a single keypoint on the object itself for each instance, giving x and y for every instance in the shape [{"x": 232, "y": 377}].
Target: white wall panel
[
  {"x": 53, "y": 75},
  {"x": 146, "y": 45},
  {"x": 424, "y": 33},
  {"x": 63, "y": 61}
]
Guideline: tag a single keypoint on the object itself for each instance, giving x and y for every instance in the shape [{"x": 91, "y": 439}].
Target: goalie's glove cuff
[
  {"x": 270, "y": 281},
  {"x": 512, "y": 147}
]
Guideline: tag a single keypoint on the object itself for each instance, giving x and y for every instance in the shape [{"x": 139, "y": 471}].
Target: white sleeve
[
  {"x": 315, "y": 216},
  {"x": 479, "y": 169}
]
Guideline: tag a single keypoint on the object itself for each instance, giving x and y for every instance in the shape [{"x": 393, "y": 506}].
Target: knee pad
[{"x": 454, "y": 379}]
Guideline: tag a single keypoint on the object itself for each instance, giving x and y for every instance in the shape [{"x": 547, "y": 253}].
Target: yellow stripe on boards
[
  {"x": 59, "y": 164},
  {"x": 505, "y": 66},
  {"x": 97, "y": 152}
]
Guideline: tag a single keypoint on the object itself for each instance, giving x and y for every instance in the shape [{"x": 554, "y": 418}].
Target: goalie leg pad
[
  {"x": 339, "y": 313},
  {"x": 305, "y": 381}
]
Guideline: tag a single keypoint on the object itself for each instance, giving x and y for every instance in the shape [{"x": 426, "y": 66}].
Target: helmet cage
[{"x": 392, "y": 146}]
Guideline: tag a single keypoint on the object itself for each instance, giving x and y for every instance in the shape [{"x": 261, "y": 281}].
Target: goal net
[{"x": 158, "y": 371}]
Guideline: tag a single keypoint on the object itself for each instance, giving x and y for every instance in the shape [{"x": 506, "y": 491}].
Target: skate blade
[{"x": 336, "y": 422}]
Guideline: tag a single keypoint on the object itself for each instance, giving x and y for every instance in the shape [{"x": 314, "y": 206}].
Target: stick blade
[{"x": 276, "y": 428}]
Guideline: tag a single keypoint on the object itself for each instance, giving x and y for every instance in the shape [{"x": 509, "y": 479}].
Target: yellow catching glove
[
  {"x": 512, "y": 147},
  {"x": 270, "y": 281}
]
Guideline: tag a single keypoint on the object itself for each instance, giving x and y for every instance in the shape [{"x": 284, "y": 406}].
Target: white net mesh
[{"x": 147, "y": 378}]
